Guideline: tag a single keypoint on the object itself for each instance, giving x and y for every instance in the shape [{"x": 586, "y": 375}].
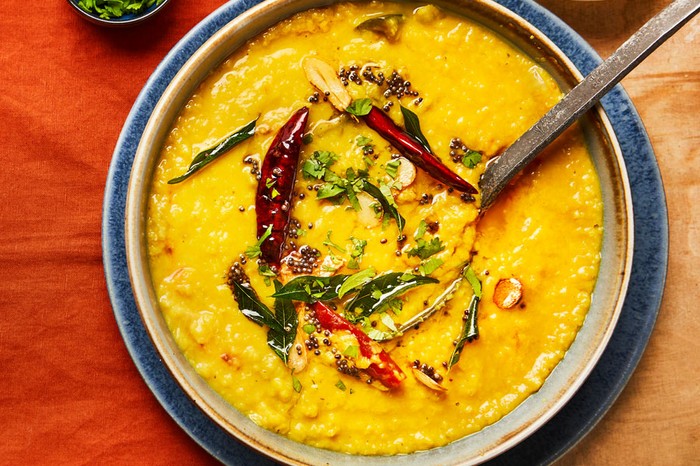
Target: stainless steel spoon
[
  {"x": 574, "y": 104},
  {"x": 582, "y": 97}
]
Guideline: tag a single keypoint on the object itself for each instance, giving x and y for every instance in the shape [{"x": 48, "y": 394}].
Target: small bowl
[
  {"x": 122, "y": 21},
  {"x": 535, "y": 411}
]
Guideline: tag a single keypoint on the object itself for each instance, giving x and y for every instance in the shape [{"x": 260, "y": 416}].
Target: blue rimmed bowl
[
  {"x": 129, "y": 19},
  {"x": 562, "y": 384}
]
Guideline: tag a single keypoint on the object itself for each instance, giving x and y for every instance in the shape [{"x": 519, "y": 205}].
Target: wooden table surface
[{"x": 72, "y": 395}]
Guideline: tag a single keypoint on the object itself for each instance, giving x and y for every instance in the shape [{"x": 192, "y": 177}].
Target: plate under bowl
[{"x": 561, "y": 385}]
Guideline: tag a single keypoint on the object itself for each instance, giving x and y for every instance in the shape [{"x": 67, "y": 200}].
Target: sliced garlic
[
  {"x": 367, "y": 216},
  {"x": 330, "y": 265},
  {"x": 423, "y": 378},
  {"x": 508, "y": 293},
  {"x": 406, "y": 173},
  {"x": 324, "y": 78}
]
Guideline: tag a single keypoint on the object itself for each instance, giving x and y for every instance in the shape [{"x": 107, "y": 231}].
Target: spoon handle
[{"x": 583, "y": 96}]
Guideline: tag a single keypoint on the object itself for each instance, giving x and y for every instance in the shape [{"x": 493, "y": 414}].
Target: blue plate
[{"x": 594, "y": 397}]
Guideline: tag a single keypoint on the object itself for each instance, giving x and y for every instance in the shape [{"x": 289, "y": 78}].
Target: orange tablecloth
[{"x": 72, "y": 395}]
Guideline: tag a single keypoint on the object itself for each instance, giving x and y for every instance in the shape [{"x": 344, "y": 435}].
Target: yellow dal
[{"x": 474, "y": 86}]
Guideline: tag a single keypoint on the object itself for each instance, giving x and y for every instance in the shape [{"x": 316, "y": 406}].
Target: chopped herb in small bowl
[{"x": 117, "y": 12}]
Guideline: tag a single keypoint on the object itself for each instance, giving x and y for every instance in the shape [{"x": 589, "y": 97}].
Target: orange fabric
[{"x": 70, "y": 392}]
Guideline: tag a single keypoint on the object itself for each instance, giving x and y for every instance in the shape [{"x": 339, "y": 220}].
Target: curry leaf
[
  {"x": 286, "y": 315},
  {"x": 412, "y": 124},
  {"x": 251, "y": 306},
  {"x": 355, "y": 281},
  {"x": 470, "y": 330},
  {"x": 309, "y": 288},
  {"x": 388, "y": 204},
  {"x": 206, "y": 157},
  {"x": 389, "y": 286}
]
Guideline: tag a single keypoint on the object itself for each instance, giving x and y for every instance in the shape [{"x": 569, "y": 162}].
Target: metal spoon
[
  {"x": 574, "y": 104},
  {"x": 582, "y": 97}
]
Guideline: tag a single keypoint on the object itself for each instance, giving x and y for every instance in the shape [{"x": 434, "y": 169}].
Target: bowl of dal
[{"x": 479, "y": 375}]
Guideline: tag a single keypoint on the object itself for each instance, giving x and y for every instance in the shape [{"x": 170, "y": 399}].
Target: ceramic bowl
[
  {"x": 536, "y": 410},
  {"x": 122, "y": 21}
]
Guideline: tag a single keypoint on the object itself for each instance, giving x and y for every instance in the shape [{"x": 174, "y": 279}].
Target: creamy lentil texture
[{"x": 468, "y": 87}]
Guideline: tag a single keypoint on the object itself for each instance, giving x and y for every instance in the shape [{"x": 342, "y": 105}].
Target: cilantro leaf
[
  {"x": 471, "y": 158},
  {"x": 254, "y": 251},
  {"x": 430, "y": 265},
  {"x": 360, "y": 107},
  {"x": 425, "y": 249}
]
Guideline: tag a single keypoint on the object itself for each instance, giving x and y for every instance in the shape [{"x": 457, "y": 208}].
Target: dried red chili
[
  {"x": 276, "y": 185},
  {"x": 414, "y": 151},
  {"x": 382, "y": 368}
]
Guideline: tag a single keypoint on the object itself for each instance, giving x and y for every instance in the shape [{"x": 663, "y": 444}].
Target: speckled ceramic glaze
[
  {"x": 520, "y": 438},
  {"x": 122, "y": 21}
]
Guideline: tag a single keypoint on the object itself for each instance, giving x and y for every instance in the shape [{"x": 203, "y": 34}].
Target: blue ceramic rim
[{"x": 595, "y": 396}]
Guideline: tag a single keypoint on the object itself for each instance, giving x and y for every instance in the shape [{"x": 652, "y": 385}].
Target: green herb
[
  {"x": 392, "y": 167},
  {"x": 470, "y": 330},
  {"x": 109, "y": 9},
  {"x": 360, "y": 107},
  {"x": 265, "y": 271},
  {"x": 420, "y": 231},
  {"x": 205, "y": 157},
  {"x": 471, "y": 158},
  {"x": 316, "y": 166},
  {"x": 330, "y": 244},
  {"x": 363, "y": 141},
  {"x": 425, "y": 249},
  {"x": 352, "y": 351},
  {"x": 309, "y": 288},
  {"x": 429, "y": 266},
  {"x": 309, "y": 328},
  {"x": 274, "y": 193},
  {"x": 386, "y": 200},
  {"x": 296, "y": 384},
  {"x": 356, "y": 281},
  {"x": 358, "y": 250},
  {"x": 286, "y": 315},
  {"x": 270, "y": 183},
  {"x": 340, "y": 385},
  {"x": 328, "y": 191},
  {"x": 307, "y": 139},
  {"x": 412, "y": 125},
  {"x": 473, "y": 280},
  {"x": 282, "y": 324},
  {"x": 254, "y": 251},
  {"x": 376, "y": 294}
]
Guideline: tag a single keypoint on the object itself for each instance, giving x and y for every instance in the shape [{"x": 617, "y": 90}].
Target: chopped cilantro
[
  {"x": 425, "y": 249},
  {"x": 330, "y": 244},
  {"x": 116, "y": 8},
  {"x": 358, "y": 250},
  {"x": 270, "y": 183},
  {"x": 316, "y": 166},
  {"x": 471, "y": 158},
  {"x": 254, "y": 251},
  {"x": 309, "y": 328},
  {"x": 296, "y": 384},
  {"x": 360, "y": 107},
  {"x": 340, "y": 385},
  {"x": 392, "y": 167},
  {"x": 430, "y": 265},
  {"x": 420, "y": 231}
]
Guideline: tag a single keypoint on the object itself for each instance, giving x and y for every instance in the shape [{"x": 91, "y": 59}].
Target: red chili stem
[
  {"x": 385, "y": 370},
  {"x": 414, "y": 151},
  {"x": 273, "y": 203}
]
